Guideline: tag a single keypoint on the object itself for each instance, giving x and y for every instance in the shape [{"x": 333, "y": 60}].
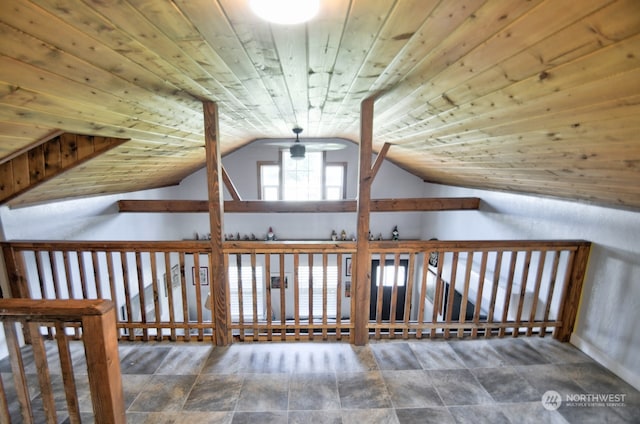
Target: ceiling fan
[{"x": 298, "y": 149}]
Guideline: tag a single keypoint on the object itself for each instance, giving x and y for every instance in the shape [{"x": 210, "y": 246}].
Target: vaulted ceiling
[{"x": 540, "y": 97}]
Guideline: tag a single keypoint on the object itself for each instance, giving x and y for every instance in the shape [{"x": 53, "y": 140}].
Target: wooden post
[
  {"x": 571, "y": 300},
  {"x": 362, "y": 261},
  {"x": 216, "y": 211},
  {"x": 103, "y": 365},
  {"x": 14, "y": 266}
]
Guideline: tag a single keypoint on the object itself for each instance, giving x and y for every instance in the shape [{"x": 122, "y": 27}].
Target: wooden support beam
[
  {"x": 49, "y": 159},
  {"x": 332, "y": 206},
  {"x": 216, "y": 214},
  {"x": 362, "y": 275},
  {"x": 379, "y": 159},
  {"x": 229, "y": 184},
  {"x": 570, "y": 302}
]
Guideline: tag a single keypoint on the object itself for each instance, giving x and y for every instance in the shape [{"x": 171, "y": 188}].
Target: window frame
[{"x": 279, "y": 164}]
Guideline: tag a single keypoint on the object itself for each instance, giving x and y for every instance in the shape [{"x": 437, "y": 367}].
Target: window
[
  {"x": 247, "y": 292},
  {"x": 311, "y": 178},
  {"x": 332, "y": 289}
]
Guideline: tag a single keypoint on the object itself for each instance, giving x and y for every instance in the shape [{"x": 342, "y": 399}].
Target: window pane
[
  {"x": 270, "y": 193},
  {"x": 334, "y": 175},
  {"x": 389, "y": 275},
  {"x": 302, "y": 178},
  {"x": 270, "y": 174},
  {"x": 334, "y": 193}
]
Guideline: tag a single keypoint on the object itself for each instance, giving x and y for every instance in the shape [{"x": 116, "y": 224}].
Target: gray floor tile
[
  {"x": 264, "y": 392},
  {"x": 436, "y": 355},
  {"x": 504, "y": 384},
  {"x": 479, "y": 414},
  {"x": 143, "y": 360},
  {"x": 395, "y": 356},
  {"x": 424, "y": 416},
  {"x": 477, "y": 353},
  {"x": 518, "y": 352},
  {"x": 270, "y": 417},
  {"x": 164, "y": 393},
  {"x": 185, "y": 359},
  {"x": 313, "y": 391},
  {"x": 557, "y": 352},
  {"x": 549, "y": 377},
  {"x": 369, "y": 416},
  {"x": 458, "y": 387},
  {"x": 532, "y": 413},
  {"x": 315, "y": 417},
  {"x": 411, "y": 389},
  {"x": 363, "y": 391},
  {"x": 214, "y": 393}
]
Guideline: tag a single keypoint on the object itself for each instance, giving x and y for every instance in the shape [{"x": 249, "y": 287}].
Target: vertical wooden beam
[
  {"x": 362, "y": 262},
  {"x": 216, "y": 212},
  {"x": 571, "y": 302}
]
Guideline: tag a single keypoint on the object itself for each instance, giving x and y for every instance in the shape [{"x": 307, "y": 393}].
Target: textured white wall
[{"x": 610, "y": 307}]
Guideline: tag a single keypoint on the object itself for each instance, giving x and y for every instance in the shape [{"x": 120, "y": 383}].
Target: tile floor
[{"x": 460, "y": 381}]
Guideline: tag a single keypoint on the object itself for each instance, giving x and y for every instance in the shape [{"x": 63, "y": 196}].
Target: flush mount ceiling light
[{"x": 285, "y": 12}]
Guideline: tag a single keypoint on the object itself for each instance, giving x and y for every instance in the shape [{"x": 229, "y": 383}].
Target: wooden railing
[
  {"x": 302, "y": 291},
  {"x": 95, "y": 319}
]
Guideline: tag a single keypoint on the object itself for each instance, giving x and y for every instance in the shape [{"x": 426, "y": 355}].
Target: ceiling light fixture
[
  {"x": 285, "y": 12},
  {"x": 297, "y": 150}
]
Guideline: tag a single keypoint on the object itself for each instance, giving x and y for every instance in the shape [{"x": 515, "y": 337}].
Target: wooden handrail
[{"x": 97, "y": 318}]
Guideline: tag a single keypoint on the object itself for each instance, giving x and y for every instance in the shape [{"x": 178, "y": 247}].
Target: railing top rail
[
  {"x": 53, "y": 310},
  {"x": 289, "y": 246},
  {"x": 112, "y": 246},
  {"x": 475, "y": 245}
]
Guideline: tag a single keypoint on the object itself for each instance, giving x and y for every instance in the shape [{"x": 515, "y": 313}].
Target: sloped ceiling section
[{"x": 533, "y": 96}]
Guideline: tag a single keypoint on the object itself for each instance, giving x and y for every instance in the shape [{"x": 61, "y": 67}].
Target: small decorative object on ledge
[
  {"x": 271, "y": 235},
  {"x": 371, "y": 238},
  {"x": 334, "y": 235},
  {"x": 343, "y": 235},
  {"x": 253, "y": 237},
  {"x": 395, "y": 235}
]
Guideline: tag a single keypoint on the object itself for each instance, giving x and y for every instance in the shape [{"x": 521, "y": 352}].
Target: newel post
[
  {"x": 362, "y": 260},
  {"x": 570, "y": 303},
  {"x": 216, "y": 212}
]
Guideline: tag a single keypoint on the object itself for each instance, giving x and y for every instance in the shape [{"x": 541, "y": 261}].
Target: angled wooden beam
[
  {"x": 229, "y": 184},
  {"x": 325, "y": 206},
  {"x": 379, "y": 159},
  {"x": 48, "y": 160}
]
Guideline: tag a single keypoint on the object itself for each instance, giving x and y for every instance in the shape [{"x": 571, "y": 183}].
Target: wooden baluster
[
  {"x": 422, "y": 295},
  {"x": 84, "y": 286},
  {"x": 324, "y": 295},
  {"x": 438, "y": 303},
  {"x": 523, "y": 292},
  {"x": 451, "y": 293},
  {"x": 112, "y": 286},
  {"x": 42, "y": 371},
  {"x": 339, "y": 297},
  {"x": 198, "y": 288},
  {"x": 296, "y": 295},
  {"x": 141, "y": 297},
  {"x": 394, "y": 297},
  {"x": 513, "y": 257},
  {"x": 127, "y": 295},
  {"x": 169, "y": 287},
  {"x": 497, "y": 267},
  {"x": 408, "y": 295},
  {"x": 479, "y": 297},
  {"x": 57, "y": 285},
  {"x": 283, "y": 303},
  {"x": 380, "y": 275},
  {"x": 96, "y": 274},
  {"x": 17, "y": 369},
  {"x": 42, "y": 280},
  {"x": 551, "y": 288},
  {"x": 254, "y": 296},
  {"x": 156, "y": 294},
  {"x": 185, "y": 305},
  {"x": 310, "y": 273},
  {"x": 267, "y": 276},
  {"x": 465, "y": 294},
  {"x": 68, "y": 377},
  {"x": 536, "y": 291},
  {"x": 240, "y": 295}
]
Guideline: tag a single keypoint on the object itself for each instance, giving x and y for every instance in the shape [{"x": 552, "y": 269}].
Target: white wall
[{"x": 610, "y": 306}]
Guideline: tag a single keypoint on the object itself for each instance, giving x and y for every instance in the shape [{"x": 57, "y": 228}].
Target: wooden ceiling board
[{"x": 539, "y": 97}]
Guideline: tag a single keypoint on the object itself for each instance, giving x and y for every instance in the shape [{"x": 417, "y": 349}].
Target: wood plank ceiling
[{"x": 538, "y": 96}]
